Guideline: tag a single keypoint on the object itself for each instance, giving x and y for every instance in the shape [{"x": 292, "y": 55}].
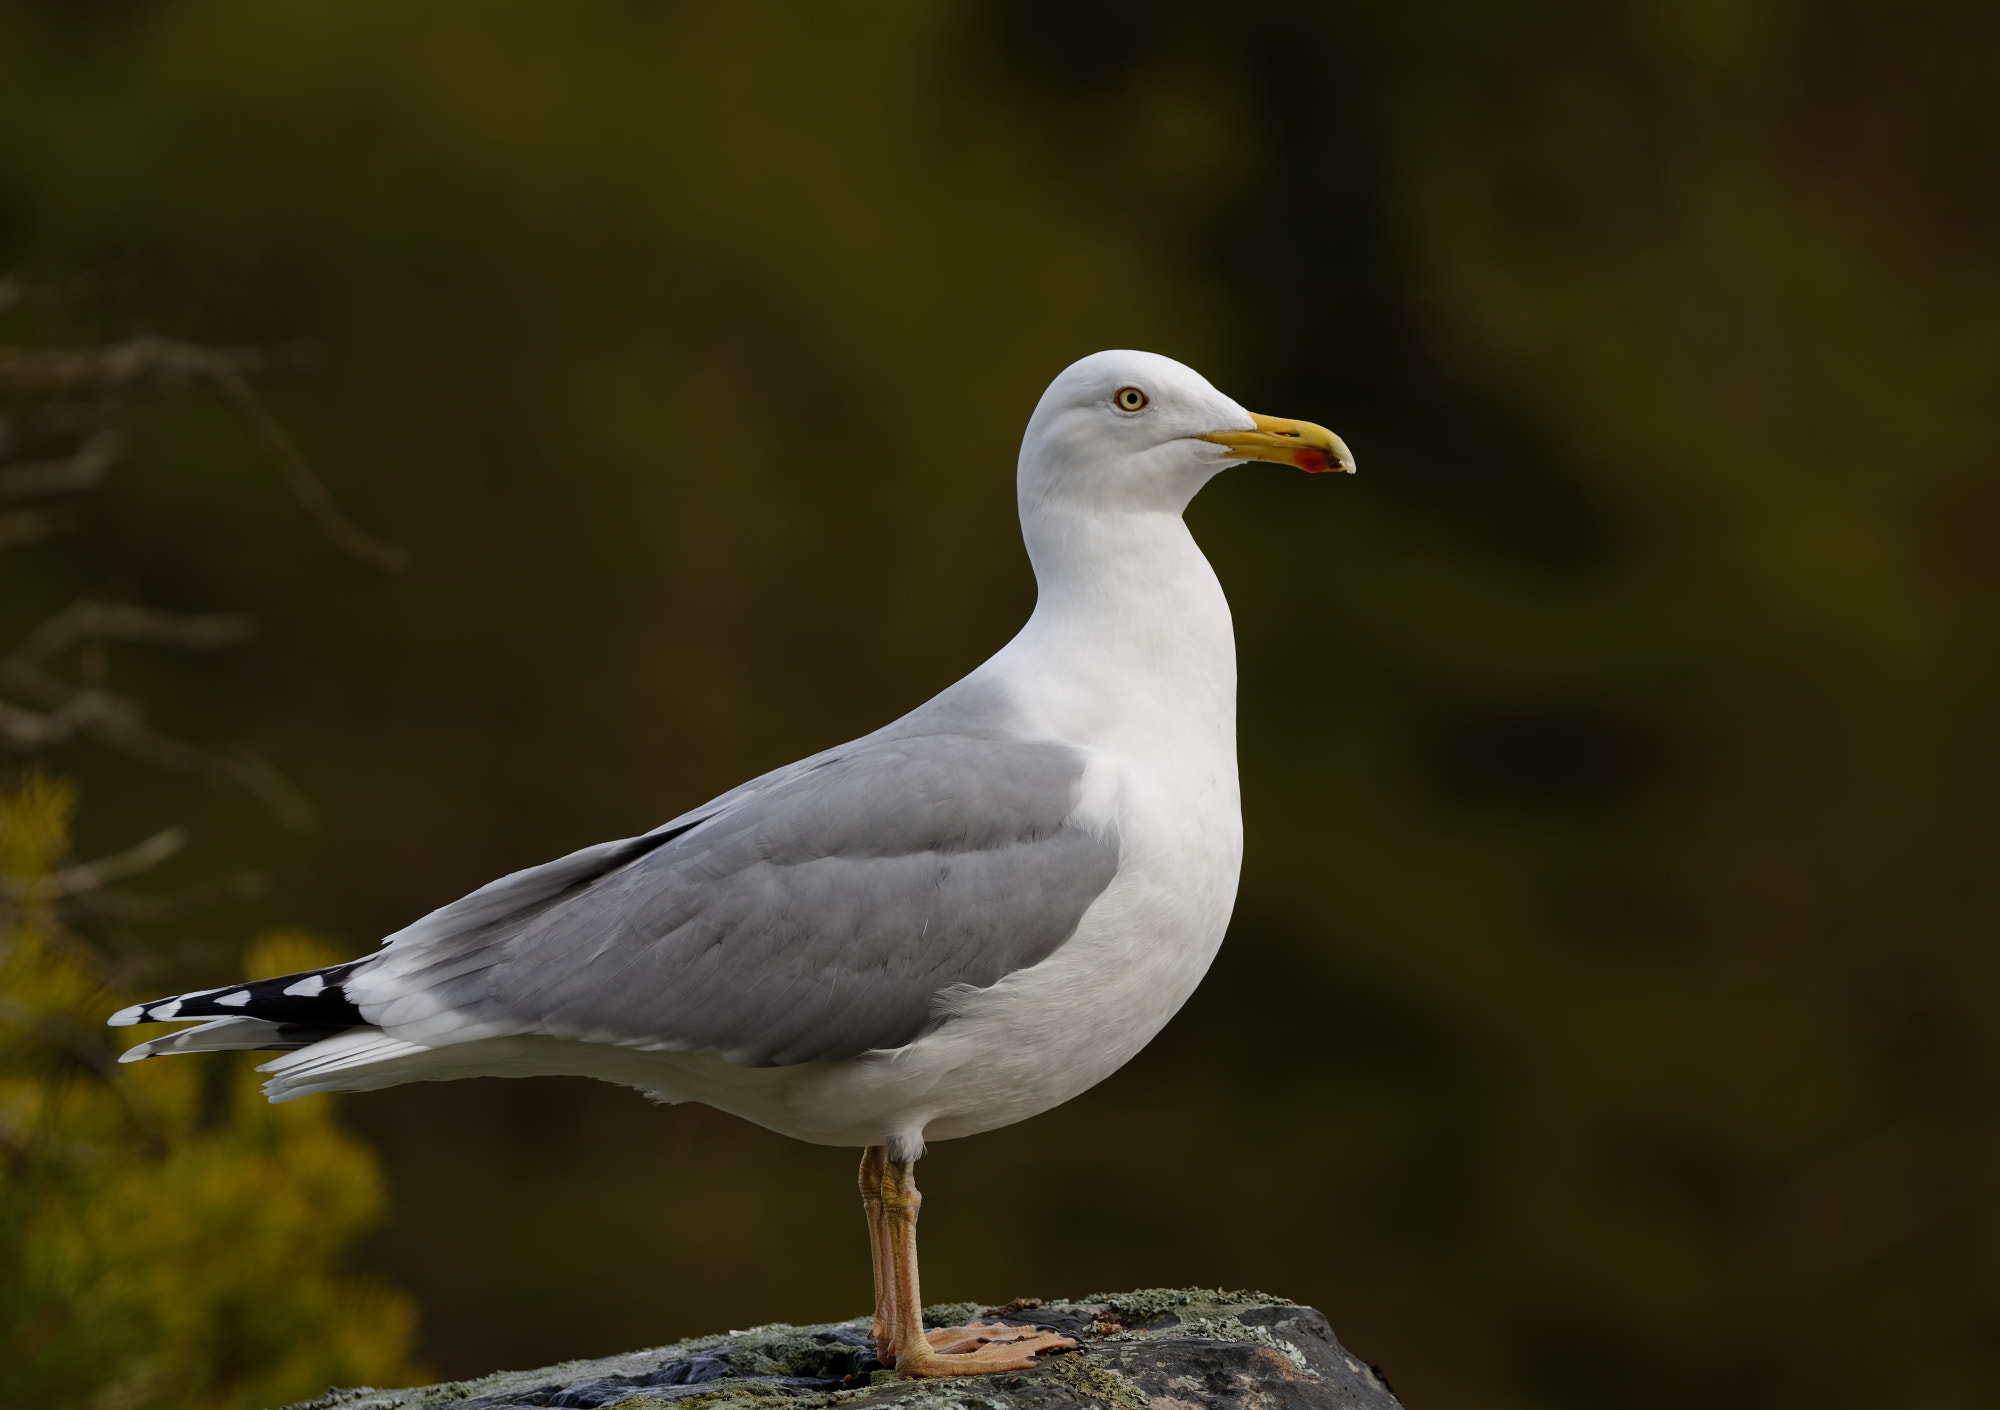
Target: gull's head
[{"x": 1135, "y": 430}]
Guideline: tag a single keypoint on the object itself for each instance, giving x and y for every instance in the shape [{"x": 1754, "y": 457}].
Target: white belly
[
  {"x": 1044, "y": 1034},
  {"x": 1032, "y": 1041}
]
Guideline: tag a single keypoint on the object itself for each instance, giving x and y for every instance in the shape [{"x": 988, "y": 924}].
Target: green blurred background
[{"x": 1609, "y": 1017}]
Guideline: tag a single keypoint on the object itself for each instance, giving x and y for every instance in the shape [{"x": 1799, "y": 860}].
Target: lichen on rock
[{"x": 1153, "y": 1349}]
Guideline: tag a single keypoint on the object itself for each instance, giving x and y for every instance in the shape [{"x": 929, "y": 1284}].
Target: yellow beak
[{"x": 1312, "y": 448}]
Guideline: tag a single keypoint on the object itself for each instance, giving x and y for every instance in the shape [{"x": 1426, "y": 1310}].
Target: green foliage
[{"x": 167, "y": 1239}]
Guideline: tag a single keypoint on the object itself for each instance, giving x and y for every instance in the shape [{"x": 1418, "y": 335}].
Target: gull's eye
[{"x": 1129, "y": 399}]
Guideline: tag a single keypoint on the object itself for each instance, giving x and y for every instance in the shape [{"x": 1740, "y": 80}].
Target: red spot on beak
[{"x": 1314, "y": 461}]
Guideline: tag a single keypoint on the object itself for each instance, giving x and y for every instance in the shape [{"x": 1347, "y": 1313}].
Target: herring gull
[{"x": 958, "y": 921}]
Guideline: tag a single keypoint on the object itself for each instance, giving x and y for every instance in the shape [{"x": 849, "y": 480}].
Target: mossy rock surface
[{"x": 1170, "y": 1348}]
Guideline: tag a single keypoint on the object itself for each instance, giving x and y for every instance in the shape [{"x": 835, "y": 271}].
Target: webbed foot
[{"x": 980, "y": 1349}]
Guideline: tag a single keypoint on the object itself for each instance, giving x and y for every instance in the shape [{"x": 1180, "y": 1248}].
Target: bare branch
[
  {"x": 119, "y": 722},
  {"x": 25, "y": 526},
  {"x": 150, "y": 910},
  {"x": 257, "y": 777},
  {"x": 312, "y": 496},
  {"x": 27, "y": 729},
  {"x": 69, "y": 474},
  {"x": 110, "y": 621},
  {"x": 92, "y": 876},
  {"x": 52, "y": 370},
  {"x": 117, "y": 364}
]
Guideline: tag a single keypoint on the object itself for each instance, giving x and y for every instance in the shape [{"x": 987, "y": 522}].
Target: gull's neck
[{"x": 1130, "y": 637}]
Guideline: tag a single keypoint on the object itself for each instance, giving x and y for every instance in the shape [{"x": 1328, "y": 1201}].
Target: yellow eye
[{"x": 1129, "y": 399}]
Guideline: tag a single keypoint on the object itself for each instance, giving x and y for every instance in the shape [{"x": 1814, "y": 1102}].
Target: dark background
[{"x": 1609, "y": 1018}]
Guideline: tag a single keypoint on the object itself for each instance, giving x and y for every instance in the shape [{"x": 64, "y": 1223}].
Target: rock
[{"x": 1167, "y": 1348}]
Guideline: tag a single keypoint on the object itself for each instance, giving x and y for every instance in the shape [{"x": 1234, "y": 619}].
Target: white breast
[
  {"x": 1140, "y": 674},
  {"x": 1130, "y": 659},
  {"x": 1041, "y": 1036}
]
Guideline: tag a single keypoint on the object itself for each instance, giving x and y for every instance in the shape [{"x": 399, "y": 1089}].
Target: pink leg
[
  {"x": 874, "y": 1164},
  {"x": 976, "y": 1350}
]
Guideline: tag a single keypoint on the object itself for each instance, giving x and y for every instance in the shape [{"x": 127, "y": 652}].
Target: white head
[{"x": 1136, "y": 431}]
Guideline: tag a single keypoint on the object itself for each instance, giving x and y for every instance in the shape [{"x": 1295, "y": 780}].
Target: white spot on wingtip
[
  {"x": 307, "y": 987},
  {"x": 165, "y": 1011},
  {"x": 126, "y": 1017},
  {"x": 236, "y": 1000},
  {"x": 144, "y": 1050}
]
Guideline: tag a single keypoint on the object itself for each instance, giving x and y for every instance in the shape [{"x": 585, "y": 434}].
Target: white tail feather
[
  {"x": 216, "y": 1036},
  {"x": 332, "y": 1064}
]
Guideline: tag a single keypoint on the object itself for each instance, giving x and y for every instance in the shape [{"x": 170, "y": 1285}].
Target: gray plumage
[{"x": 813, "y": 914}]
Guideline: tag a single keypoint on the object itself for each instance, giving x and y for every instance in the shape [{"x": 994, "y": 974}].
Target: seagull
[{"x": 959, "y": 921}]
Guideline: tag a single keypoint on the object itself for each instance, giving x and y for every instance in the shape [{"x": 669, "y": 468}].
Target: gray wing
[{"x": 814, "y": 914}]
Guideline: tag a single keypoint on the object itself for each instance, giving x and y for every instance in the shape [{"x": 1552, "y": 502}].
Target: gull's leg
[
  {"x": 976, "y": 1350},
  {"x": 874, "y": 1162}
]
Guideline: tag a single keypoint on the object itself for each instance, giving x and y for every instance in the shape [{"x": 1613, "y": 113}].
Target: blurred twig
[
  {"x": 312, "y": 496},
  {"x": 39, "y": 709},
  {"x": 151, "y": 910},
  {"x": 56, "y": 371},
  {"x": 49, "y": 370},
  {"x": 63, "y": 429},
  {"x": 25, "y": 526},
  {"x": 88, "y": 884},
  {"x": 111, "y": 621},
  {"x": 87, "y": 877},
  {"x": 70, "y": 474},
  {"x": 76, "y": 396}
]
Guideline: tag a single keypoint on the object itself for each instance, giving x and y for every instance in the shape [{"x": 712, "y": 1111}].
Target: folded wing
[{"x": 814, "y": 915}]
